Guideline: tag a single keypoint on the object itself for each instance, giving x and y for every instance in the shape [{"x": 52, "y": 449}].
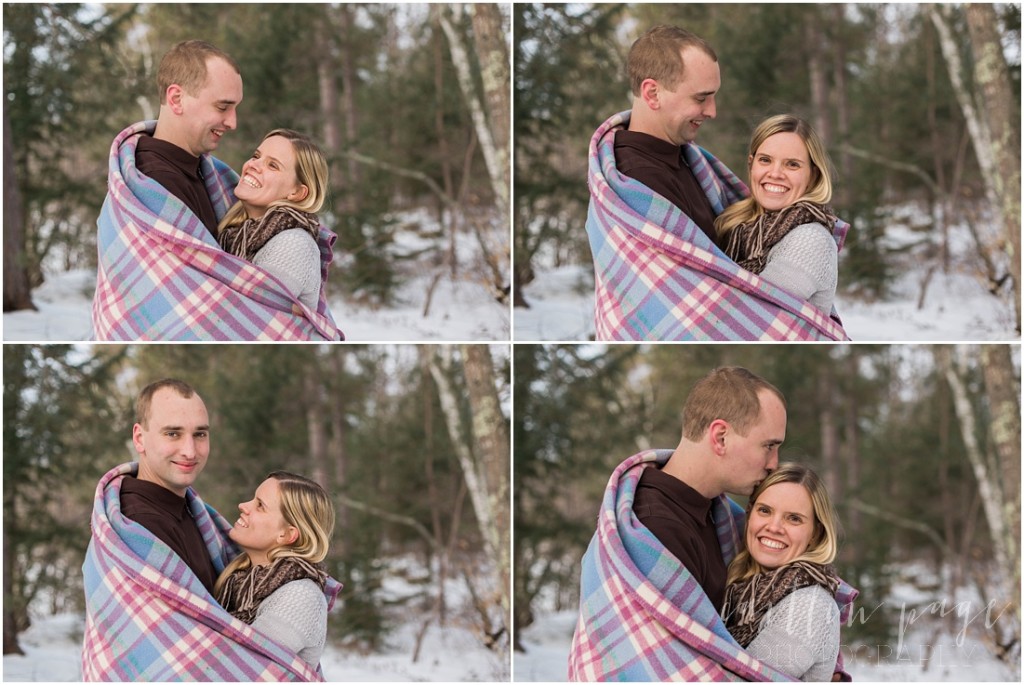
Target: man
[
  {"x": 653, "y": 578},
  {"x": 172, "y": 438},
  {"x": 200, "y": 90},
  {"x": 674, "y": 77},
  {"x": 733, "y": 425}
]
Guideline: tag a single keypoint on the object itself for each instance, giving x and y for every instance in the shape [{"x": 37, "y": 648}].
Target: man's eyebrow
[{"x": 227, "y": 102}]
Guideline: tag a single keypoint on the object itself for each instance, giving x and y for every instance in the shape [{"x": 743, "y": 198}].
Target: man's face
[
  {"x": 682, "y": 110},
  {"x": 175, "y": 442},
  {"x": 751, "y": 457},
  {"x": 210, "y": 113}
]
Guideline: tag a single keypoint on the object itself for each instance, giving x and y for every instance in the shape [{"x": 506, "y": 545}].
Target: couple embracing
[
  {"x": 188, "y": 250},
  {"x": 173, "y": 591},
  {"x": 683, "y": 249},
  {"x": 680, "y": 583}
]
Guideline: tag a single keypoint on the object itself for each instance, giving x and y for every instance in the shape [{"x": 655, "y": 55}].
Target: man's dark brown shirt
[
  {"x": 680, "y": 517},
  {"x": 166, "y": 516},
  {"x": 660, "y": 166},
  {"x": 177, "y": 171}
]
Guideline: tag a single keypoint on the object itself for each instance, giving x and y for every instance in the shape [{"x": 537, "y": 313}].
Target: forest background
[
  {"x": 412, "y": 442},
  {"x": 409, "y": 102},
  {"x": 919, "y": 447},
  {"x": 919, "y": 107}
]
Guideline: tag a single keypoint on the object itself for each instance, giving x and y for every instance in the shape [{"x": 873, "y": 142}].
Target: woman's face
[
  {"x": 261, "y": 526},
  {"x": 268, "y": 176},
  {"x": 780, "y": 525},
  {"x": 780, "y": 171}
]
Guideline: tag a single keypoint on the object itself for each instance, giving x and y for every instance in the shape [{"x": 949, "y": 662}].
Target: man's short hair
[
  {"x": 185, "y": 64},
  {"x": 728, "y": 393},
  {"x": 145, "y": 399},
  {"x": 658, "y": 54}
]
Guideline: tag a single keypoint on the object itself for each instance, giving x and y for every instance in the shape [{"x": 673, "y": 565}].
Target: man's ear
[
  {"x": 173, "y": 97},
  {"x": 650, "y": 92},
  {"x": 716, "y": 435},
  {"x": 137, "y": 438}
]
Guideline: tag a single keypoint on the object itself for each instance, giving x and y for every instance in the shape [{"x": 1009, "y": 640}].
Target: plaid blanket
[
  {"x": 149, "y": 618},
  {"x": 659, "y": 277},
  {"x": 643, "y": 617},
  {"x": 162, "y": 276}
]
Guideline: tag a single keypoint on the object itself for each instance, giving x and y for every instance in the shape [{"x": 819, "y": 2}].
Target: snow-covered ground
[
  {"x": 454, "y": 654},
  {"x": 957, "y": 305},
  {"x": 954, "y": 651},
  {"x": 463, "y": 309}
]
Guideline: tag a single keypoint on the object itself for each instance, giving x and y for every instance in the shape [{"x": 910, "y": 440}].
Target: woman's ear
[
  {"x": 290, "y": 535},
  {"x": 300, "y": 193}
]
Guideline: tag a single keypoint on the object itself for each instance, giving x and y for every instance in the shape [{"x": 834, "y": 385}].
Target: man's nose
[
  {"x": 231, "y": 120},
  {"x": 710, "y": 109}
]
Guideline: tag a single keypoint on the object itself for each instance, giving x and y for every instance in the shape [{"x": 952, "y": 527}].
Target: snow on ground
[
  {"x": 463, "y": 309},
  {"x": 454, "y": 654}
]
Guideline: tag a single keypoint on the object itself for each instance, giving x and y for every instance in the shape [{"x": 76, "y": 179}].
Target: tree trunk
[
  {"x": 1004, "y": 405},
  {"x": 842, "y": 105},
  {"x": 495, "y": 73},
  {"x": 442, "y": 147},
  {"x": 997, "y": 154},
  {"x": 475, "y": 472},
  {"x": 17, "y": 289},
  {"x": 336, "y": 444},
  {"x": 11, "y": 620},
  {"x": 992, "y": 76},
  {"x": 829, "y": 432},
  {"x": 814, "y": 40},
  {"x": 490, "y": 434},
  {"x": 316, "y": 408},
  {"x": 496, "y": 163},
  {"x": 348, "y": 100},
  {"x": 987, "y": 482}
]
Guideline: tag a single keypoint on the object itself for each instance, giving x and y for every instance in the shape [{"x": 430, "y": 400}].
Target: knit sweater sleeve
[
  {"x": 806, "y": 263},
  {"x": 294, "y": 258},
  {"x": 296, "y": 616},
  {"x": 800, "y": 635}
]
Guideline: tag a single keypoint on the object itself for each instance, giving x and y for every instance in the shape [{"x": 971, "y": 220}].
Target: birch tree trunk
[
  {"x": 988, "y": 482},
  {"x": 474, "y": 470},
  {"x": 316, "y": 408},
  {"x": 496, "y": 163},
  {"x": 992, "y": 137},
  {"x": 17, "y": 290}
]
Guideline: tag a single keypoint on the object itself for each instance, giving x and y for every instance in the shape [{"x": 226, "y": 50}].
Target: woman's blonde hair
[
  {"x": 819, "y": 190},
  {"x": 824, "y": 544},
  {"x": 304, "y": 505},
  {"x": 311, "y": 170}
]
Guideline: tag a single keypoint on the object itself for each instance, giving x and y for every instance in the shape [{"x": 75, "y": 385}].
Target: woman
[
  {"x": 274, "y": 223},
  {"x": 783, "y": 231},
  {"x": 780, "y": 599},
  {"x": 277, "y": 583}
]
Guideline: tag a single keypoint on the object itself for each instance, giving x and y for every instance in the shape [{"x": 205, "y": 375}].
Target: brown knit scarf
[
  {"x": 245, "y": 239},
  {"x": 748, "y": 243},
  {"x": 245, "y": 589},
  {"x": 747, "y": 601}
]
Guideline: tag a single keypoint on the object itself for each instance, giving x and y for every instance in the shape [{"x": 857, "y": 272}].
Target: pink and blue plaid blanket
[
  {"x": 659, "y": 277},
  {"x": 643, "y": 617},
  {"x": 162, "y": 276},
  {"x": 149, "y": 618}
]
